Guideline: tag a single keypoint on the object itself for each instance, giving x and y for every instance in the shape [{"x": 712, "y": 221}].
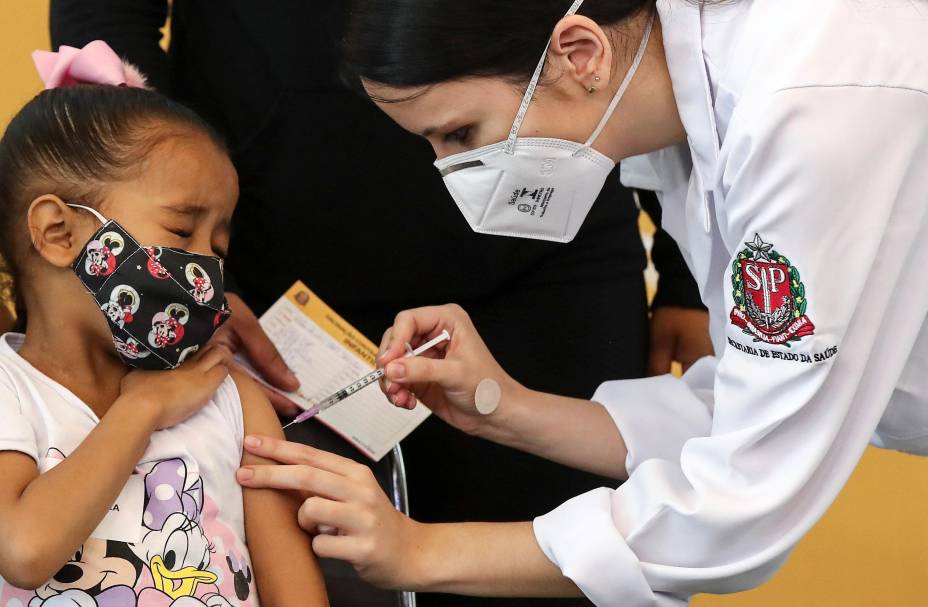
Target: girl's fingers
[
  {"x": 213, "y": 356},
  {"x": 214, "y": 377}
]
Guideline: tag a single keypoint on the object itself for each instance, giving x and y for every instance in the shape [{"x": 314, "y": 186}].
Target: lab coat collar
[{"x": 681, "y": 25}]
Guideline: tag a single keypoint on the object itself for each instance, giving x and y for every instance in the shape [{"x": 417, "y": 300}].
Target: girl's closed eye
[{"x": 181, "y": 232}]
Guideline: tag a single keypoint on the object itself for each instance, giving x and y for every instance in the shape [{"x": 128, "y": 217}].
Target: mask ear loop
[
  {"x": 639, "y": 55},
  {"x": 530, "y": 91},
  {"x": 94, "y": 212}
]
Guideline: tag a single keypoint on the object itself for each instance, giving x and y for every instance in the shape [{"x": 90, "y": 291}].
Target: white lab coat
[{"x": 807, "y": 126}]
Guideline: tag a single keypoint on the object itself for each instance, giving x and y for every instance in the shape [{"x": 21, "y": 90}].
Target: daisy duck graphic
[
  {"x": 102, "y": 254},
  {"x": 175, "y": 548},
  {"x": 186, "y": 556}
]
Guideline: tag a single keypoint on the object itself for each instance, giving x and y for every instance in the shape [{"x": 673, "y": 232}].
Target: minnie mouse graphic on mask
[
  {"x": 154, "y": 266},
  {"x": 167, "y": 328},
  {"x": 122, "y": 306},
  {"x": 202, "y": 286},
  {"x": 156, "y": 320},
  {"x": 101, "y": 254}
]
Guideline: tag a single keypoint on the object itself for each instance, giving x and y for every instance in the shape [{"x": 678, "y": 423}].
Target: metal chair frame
[{"x": 401, "y": 502}]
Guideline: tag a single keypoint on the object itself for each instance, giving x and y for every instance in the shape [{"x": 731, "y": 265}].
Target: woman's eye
[
  {"x": 182, "y": 233},
  {"x": 459, "y": 136}
]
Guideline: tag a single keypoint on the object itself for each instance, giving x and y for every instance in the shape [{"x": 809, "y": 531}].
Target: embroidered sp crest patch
[{"x": 770, "y": 299}]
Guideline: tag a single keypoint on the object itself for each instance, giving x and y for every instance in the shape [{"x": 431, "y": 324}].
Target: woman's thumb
[{"x": 421, "y": 370}]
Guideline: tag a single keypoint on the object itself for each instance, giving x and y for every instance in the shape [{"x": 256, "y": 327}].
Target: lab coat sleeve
[{"x": 730, "y": 465}]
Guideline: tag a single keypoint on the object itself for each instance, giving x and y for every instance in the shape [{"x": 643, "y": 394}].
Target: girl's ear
[
  {"x": 582, "y": 52},
  {"x": 57, "y": 231}
]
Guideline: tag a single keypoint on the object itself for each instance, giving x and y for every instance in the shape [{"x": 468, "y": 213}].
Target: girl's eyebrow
[
  {"x": 185, "y": 209},
  {"x": 195, "y": 211}
]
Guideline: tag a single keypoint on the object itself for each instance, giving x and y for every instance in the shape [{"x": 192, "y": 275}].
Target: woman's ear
[
  {"x": 56, "y": 229},
  {"x": 582, "y": 50}
]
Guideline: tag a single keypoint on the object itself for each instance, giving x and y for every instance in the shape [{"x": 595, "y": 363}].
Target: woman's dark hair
[
  {"x": 72, "y": 142},
  {"x": 416, "y": 43}
]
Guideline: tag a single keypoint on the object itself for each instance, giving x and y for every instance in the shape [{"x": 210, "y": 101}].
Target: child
[{"x": 117, "y": 487}]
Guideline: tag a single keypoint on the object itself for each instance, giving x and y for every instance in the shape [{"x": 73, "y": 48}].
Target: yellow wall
[
  {"x": 871, "y": 549},
  {"x": 23, "y": 28}
]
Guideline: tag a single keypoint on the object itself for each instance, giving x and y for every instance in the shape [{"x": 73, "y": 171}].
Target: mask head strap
[
  {"x": 533, "y": 85},
  {"x": 639, "y": 55},
  {"x": 94, "y": 212},
  {"x": 530, "y": 91}
]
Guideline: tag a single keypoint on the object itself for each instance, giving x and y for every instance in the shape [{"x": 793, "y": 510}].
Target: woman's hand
[
  {"x": 342, "y": 495},
  {"x": 180, "y": 393},
  {"x": 678, "y": 335},
  {"x": 445, "y": 378}
]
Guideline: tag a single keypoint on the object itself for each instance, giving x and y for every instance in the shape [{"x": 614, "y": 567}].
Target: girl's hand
[
  {"x": 243, "y": 333},
  {"x": 445, "y": 378},
  {"x": 180, "y": 393},
  {"x": 341, "y": 495}
]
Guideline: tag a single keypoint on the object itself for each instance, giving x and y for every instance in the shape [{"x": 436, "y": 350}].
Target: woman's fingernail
[
  {"x": 396, "y": 371},
  {"x": 245, "y": 474},
  {"x": 291, "y": 375},
  {"x": 252, "y": 441}
]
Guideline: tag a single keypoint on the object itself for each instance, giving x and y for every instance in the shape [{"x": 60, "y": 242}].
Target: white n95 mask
[{"x": 533, "y": 187}]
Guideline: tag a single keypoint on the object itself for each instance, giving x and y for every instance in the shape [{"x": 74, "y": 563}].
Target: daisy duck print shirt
[{"x": 175, "y": 536}]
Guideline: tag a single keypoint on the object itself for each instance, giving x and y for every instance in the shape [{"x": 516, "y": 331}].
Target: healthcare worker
[{"x": 790, "y": 143}]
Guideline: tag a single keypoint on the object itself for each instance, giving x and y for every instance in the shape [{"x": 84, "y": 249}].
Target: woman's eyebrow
[{"x": 446, "y": 127}]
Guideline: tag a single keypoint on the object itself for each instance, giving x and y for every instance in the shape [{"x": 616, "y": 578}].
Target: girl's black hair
[
  {"x": 416, "y": 43},
  {"x": 72, "y": 142}
]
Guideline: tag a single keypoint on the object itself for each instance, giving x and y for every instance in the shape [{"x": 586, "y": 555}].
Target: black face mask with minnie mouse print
[{"x": 162, "y": 304}]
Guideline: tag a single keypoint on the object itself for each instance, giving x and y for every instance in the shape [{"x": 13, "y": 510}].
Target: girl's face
[{"x": 182, "y": 196}]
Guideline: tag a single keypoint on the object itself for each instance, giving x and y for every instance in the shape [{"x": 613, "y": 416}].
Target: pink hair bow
[{"x": 96, "y": 63}]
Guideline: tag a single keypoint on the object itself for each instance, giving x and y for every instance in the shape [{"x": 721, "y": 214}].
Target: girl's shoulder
[
  {"x": 257, "y": 414},
  {"x": 239, "y": 406}
]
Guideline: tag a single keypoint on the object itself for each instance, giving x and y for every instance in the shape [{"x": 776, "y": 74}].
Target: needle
[{"x": 363, "y": 382}]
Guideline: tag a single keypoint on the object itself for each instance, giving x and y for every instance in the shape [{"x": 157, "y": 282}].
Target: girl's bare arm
[{"x": 285, "y": 568}]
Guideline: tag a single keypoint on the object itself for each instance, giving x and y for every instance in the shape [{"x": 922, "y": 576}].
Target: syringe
[{"x": 363, "y": 382}]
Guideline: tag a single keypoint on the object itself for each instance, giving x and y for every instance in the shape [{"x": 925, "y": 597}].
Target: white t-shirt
[{"x": 176, "y": 535}]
